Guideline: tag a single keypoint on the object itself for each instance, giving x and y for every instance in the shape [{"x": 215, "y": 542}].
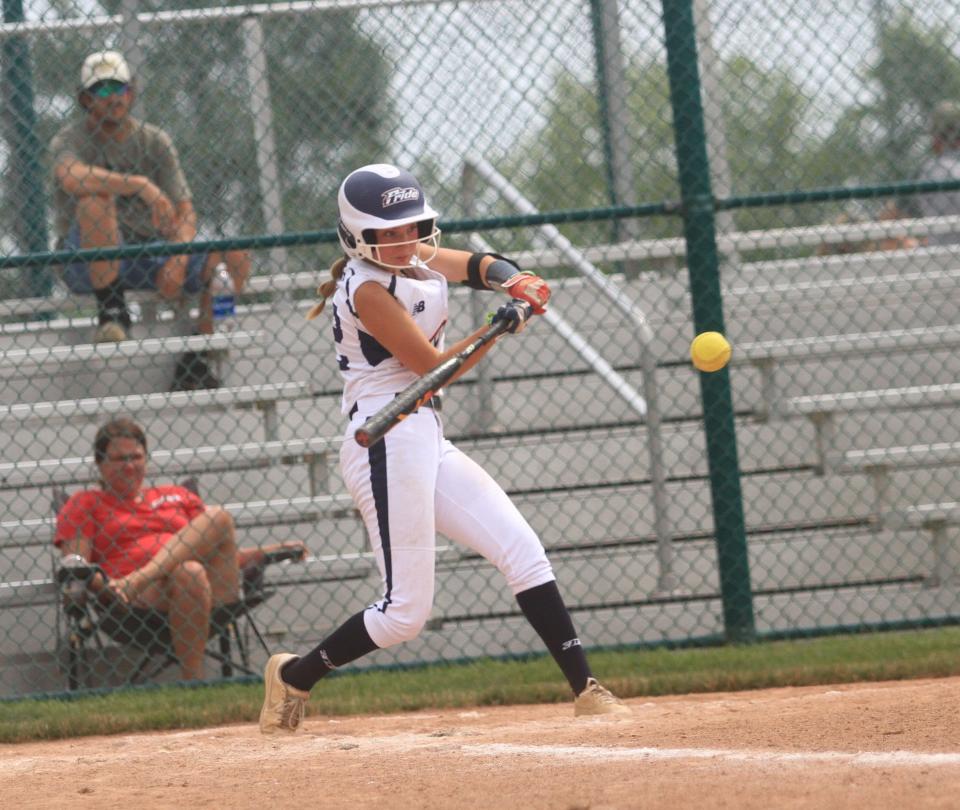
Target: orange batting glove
[{"x": 530, "y": 288}]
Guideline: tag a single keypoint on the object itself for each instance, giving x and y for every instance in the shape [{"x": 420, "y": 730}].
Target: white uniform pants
[{"x": 413, "y": 484}]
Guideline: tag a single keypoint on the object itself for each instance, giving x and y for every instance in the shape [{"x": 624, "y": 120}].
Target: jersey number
[{"x": 337, "y": 327}]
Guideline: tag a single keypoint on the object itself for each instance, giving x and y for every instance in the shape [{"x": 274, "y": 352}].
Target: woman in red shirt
[{"x": 159, "y": 547}]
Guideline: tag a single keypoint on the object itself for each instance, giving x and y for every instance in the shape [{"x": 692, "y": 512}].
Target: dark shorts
[{"x": 136, "y": 273}]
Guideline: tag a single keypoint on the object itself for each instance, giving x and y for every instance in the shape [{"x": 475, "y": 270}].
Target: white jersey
[{"x": 367, "y": 367}]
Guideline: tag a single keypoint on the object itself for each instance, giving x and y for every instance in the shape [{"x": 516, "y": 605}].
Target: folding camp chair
[{"x": 87, "y": 627}]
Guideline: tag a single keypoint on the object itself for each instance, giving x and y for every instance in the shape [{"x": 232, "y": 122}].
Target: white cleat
[
  {"x": 283, "y": 706},
  {"x": 595, "y": 699}
]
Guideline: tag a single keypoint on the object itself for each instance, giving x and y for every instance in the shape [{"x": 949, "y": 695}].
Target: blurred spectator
[
  {"x": 118, "y": 181},
  {"x": 159, "y": 547},
  {"x": 888, "y": 212},
  {"x": 849, "y": 246},
  {"x": 943, "y": 164}
]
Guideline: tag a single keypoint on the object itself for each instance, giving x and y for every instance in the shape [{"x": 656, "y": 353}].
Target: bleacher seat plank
[
  {"x": 564, "y": 518},
  {"x": 936, "y": 518},
  {"x": 148, "y": 347},
  {"x": 926, "y": 515},
  {"x": 27, "y": 593},
  {"x": 822, "y": 408},
  {"x": 79, "y": 469},
  {"x": 881, "y": 463},
  {"x": 301, "y": 509},
  {"x": 847, "y": 265},
  {"x": 915, "y": 396},
  {"x": 926, "y": 337},
  {"x": 134, "y": 403},
  {"x": 857, "y": 288},
  {"x": 13, "y": 307},
  {"x": 906, "y": 457}
]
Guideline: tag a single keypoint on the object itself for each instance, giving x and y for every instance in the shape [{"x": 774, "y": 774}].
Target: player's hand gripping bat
[{"x": 420, "y": 390}]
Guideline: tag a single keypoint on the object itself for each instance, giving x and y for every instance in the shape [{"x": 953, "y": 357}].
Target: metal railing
[{"x": 646, "y": 406}]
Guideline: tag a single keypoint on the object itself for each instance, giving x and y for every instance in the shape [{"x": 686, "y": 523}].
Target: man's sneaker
[
  {"x": 283, "y": 705},
  {"x": 109, "y": 332},
  {"x": 595, "y": 699}
]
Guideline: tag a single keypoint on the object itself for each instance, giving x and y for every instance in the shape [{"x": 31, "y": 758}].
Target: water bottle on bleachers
[{"x": 224, "y": 300}]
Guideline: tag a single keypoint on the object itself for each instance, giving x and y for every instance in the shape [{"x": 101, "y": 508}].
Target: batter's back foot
[{"x": 596, "y": 699}]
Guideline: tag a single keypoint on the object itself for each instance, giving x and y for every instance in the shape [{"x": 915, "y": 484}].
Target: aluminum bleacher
[
  {"x": 281, "y": 480},
  {"x": 768, "y": 356},
  {"x": 314, "y": 452},
  {"x": 58, "y": 356},
  {"x": 823, "y": 409}
]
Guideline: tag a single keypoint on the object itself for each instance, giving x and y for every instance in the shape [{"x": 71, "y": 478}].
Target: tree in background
[
  {"x": 917, "y": 68},
  {"x": 562, "y": 166},
  {"x": 885, "y": 138},
  {"x": 778, "y": 130},
  {"x": 332, "y": 109}
]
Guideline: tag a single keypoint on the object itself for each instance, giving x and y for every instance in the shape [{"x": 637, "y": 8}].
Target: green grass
[{"x": 834, "y": 659}]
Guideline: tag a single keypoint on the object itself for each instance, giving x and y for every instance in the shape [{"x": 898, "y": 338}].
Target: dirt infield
[{"x": 883, "y": 745}]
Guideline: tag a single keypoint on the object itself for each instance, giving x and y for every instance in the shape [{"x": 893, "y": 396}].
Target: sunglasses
[{"x": 110, "y": 87}]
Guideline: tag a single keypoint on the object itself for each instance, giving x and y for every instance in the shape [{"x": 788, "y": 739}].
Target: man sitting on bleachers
[
  {"x": 118, "y": 181},
  {"x": 159, "y": 547}
]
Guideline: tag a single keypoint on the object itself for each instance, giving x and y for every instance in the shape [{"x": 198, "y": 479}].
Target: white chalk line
[
  {"x": 867, "y": 759},
  {"x": 255, "y": 748}
]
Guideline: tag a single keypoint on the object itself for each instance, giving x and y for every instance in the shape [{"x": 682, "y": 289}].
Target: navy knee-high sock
[
  {"x": 544, "y": 608},
  {"x": 347, "y": 643}
]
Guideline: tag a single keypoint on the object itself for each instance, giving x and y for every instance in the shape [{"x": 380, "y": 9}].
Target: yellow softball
[{"x": 710, "y": 351}]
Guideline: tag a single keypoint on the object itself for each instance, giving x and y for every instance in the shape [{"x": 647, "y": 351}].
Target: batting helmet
[{"x": 381, "y": 196}]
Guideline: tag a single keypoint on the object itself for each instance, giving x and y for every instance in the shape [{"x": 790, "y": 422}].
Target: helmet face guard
[{"x": 381, "y": 196}]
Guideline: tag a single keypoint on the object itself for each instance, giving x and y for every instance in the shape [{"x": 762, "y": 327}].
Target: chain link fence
[{"x": 786, "y": 173}]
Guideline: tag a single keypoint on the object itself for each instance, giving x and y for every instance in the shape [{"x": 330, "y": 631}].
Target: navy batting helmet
[{"x": 381, "y": 196}]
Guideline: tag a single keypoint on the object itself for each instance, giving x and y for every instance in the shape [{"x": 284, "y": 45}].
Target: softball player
[{"x": 389, "y": 316}]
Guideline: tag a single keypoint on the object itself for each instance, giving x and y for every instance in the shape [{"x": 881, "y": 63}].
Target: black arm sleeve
[{"x": 498, "y": 272}]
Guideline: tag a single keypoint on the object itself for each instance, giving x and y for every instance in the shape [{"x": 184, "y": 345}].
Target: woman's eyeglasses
[
  {"x": 127, "y": 458},
  {"x": 110, "y": 87}
]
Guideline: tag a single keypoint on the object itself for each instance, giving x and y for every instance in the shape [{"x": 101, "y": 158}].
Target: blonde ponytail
[{"x": 328, "y": 288}]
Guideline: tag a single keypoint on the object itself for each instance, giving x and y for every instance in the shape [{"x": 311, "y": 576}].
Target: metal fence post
[
  {"x": 262, "y": 113},
  {"x": 702, "y": 261},
  {"x": 614, "y": 117},
  {"x": 25, "y": 151},
  {"x": 713, "y": 120}
]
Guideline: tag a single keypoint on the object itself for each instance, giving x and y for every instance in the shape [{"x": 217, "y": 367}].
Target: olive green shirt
[{"x": 147, "y": 150}]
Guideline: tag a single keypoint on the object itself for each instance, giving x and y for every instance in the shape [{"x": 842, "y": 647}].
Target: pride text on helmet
[{"x": 396, "y": 195}]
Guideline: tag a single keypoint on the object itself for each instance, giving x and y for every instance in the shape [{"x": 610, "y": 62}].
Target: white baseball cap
[{"x": 103, "y": 66}]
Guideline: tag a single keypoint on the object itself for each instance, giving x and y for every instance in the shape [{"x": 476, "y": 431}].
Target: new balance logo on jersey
[
  {"x": 567, "y": 645},
  {"x": 397, "y": 195},
  {"x": 420, "y": 306}
]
